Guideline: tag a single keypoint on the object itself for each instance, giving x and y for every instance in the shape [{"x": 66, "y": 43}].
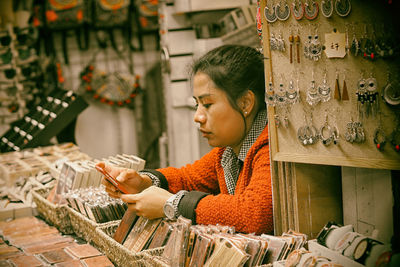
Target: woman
[{"x": 231, "y": 185}]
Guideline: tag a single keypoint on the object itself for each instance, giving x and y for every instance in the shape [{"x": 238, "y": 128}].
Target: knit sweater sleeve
[
  {"x": 249, "y": 210},
  {"x": 198, "y": 176}
]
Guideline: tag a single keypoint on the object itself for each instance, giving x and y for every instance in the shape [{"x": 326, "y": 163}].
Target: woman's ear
[{"x": 247, "y": 102}]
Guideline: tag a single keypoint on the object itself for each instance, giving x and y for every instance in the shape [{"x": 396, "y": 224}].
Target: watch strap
[
  {"x": 154, "y": 179},
  {"x": 159, "y": 175},
  {"x": 174, "y": 201}
]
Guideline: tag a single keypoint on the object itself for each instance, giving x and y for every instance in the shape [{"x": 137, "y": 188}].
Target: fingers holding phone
[{"x": 122, "y": 180}]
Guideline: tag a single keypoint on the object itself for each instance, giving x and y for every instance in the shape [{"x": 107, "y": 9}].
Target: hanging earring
[
  {"x": 343, "y": 7},
  {"x": 297, "y": 40},
  {"x": 284, "y": 14},
  {"x": 354, "y": 132},
  {"x": 280, "y": 42},
  {"x": 270, "y": 96},
  {"x": 285, "y": 118},
  {"x": 359, "y": 129},
  {"x": 297, "y": 9},
  {"x": 395, "y": 136},
  {"x": 307, "y": 134},
  {"x": 277, "y": 120},
  {"x": 345, "y": 94},
  {"x": 313, "y": 138},
  {"x": 324, "y": 90},
  {"x": 291, "y": 40},
  {"x": 325, "y": 133},
  {"x": 347, "y": 47},
  {"x": 355, "y": 44},
  {"x": 337, "y": 89},
  {"x": 307, "y": 45},
  {"x": 350, "y": 134},
  {"x": 281, "y": 94},
  {"x": 380, "y": 138},
  {"x": 327, "y": 8},
  {"x": 315, "y": 48},
  {"x": 391, "y": 93},
  {"x": 273, "y": 42},
  {"x": 311, "y": 10},
  {"x": 361, "y": 97},
  {"x": 269, "y": 13},
  {"x": 335, "y": 135},
  {"x": 312, "y": 93},
  {"x": 372, "y": 96},
  {"x": 292, "y": 94},
  {"x": 367, "y": 46}
]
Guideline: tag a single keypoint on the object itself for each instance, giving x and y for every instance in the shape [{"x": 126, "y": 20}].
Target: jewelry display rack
[
  {"x": 311, "y": 177},
  {"x": 328, "y": 139}
]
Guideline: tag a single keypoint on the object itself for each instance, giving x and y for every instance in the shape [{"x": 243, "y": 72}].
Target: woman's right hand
[{"x": 129, "y": 178}]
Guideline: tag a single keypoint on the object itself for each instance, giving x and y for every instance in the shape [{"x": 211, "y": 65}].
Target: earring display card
[
  {"x": 348, "y": 54},
  {"x": 43, "y": 122}
]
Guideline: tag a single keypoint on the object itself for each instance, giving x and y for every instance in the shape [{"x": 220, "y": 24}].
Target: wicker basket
[
  {"x": 154, "y": 261},
  {"x": 116, "y": 252},
  {"x": 54, "y": 214},
  {"x": 83, "y": 226}
]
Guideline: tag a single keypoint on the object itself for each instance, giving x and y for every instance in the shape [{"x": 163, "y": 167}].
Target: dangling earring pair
[
  {"x": 344, "y": 95},
  {"x": 320, "y": 93},
  {"x": 313, "y": 47},
  {"x": 276, "y": 12},
  {"x": 342, "y": 8}
]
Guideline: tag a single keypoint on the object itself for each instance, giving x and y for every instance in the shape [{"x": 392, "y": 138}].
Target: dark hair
[{"x": 234, "y": 69}]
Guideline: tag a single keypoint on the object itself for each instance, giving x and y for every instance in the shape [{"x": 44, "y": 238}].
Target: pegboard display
[{"x": 332, "y": 81}]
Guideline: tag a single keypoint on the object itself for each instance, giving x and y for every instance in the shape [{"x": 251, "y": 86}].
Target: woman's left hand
[{"x": 149, "y": 203}]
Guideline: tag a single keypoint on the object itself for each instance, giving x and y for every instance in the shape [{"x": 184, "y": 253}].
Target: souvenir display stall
[{"x": 333, "y": 101}]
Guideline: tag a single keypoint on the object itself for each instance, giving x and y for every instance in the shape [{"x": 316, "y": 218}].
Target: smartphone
[{"x": 112, "y": 180}]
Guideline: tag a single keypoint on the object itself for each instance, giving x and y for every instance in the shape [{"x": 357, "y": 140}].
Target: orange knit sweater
[{"x": 249, "y": 210}]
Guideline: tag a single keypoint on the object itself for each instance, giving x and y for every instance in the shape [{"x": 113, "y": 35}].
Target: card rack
[{"x": 43, "y": 122}]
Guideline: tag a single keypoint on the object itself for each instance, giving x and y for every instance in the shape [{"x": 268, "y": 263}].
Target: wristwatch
[{"x": 171, "y": 205}]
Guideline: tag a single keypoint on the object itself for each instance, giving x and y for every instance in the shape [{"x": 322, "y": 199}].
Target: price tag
[{"x": 335, "y": 45}]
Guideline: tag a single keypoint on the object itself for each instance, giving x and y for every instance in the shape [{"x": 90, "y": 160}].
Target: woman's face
[{"x": 219, "y": 122}]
